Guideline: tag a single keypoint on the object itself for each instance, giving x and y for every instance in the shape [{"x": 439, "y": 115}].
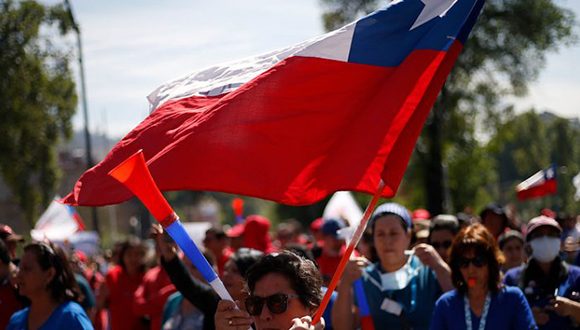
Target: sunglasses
[
  {"x": 438, "y": 245},
  {"x": 478, "y": 262},
  {"x": 277, "y": 303}
]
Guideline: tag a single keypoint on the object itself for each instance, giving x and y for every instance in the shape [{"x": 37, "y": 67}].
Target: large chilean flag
[{"x": 338, "y": 112}]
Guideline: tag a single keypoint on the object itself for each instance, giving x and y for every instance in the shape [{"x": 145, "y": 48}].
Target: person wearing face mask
[
  {"x": 551, "y": 285},
  {"x": 402, "y": 287}
]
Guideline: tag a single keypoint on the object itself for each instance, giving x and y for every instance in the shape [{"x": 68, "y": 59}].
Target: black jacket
[{"x": 201, "y": 295}]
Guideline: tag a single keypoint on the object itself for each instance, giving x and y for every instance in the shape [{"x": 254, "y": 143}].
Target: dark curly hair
[
  {"x": 302, "y": 274},
  {"x": 478, "y": 239},
  {"x": 63, "y": 286},
  {"x": 244, "y": 258}
]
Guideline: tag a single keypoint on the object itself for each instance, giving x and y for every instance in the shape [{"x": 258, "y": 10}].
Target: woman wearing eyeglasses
[
  {"x": 479, "y": 300},
  {"x": 46, "y": 279},
  {"x": 284, "y": 292},
  {"x": 442, "y": 230}
]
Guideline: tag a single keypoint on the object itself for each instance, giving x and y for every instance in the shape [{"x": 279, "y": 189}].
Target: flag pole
[{"x": 345, "y": 258}]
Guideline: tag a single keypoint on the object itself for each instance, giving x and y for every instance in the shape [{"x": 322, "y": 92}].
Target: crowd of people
[{"x": 410, "y": 270}]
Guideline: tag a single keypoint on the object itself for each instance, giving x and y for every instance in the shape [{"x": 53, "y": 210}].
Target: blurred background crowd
[{"x": 412, "y": 267}]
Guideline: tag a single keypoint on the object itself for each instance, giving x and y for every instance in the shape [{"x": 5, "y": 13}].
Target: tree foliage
[
  {"x": 529, "y": 142},
  {"x": 506, "y": 51},
  {"x": 38, "y": 99}
]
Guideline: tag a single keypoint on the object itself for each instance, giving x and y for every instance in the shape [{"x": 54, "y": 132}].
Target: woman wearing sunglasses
[
  {"x": 46, "y": 279},
  {"x": 479, "y": 300},
  {"x": 284, "y": 292},
  {"x": 442, "y": 230}
]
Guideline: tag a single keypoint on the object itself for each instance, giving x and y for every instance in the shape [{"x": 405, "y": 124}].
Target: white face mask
[
  {"x": 398, "y": 279},
  {"x": 545, "y": 249}
]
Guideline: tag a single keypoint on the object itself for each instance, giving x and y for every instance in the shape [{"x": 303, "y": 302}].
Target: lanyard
[{"x": 483, "y": 314}]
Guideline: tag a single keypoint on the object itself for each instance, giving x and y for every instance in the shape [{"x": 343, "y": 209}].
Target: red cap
[
  {"x": 7, "y": 234},
  {"x": 316, "y": 225},
  {"x": 237, "y": 230},
  {"x": 420, "y": 214}
]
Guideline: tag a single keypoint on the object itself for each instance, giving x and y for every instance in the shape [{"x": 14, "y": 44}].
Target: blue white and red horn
[{"x": 134, "y": 174}]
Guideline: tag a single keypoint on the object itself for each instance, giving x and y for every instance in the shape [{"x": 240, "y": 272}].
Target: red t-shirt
[
  {"x": 9, "y": 302},
  {"x": 221, "y": 262},
  {"x": 328, "y": 264},
  {"x": 122, "y": 289},
  {"x": 151, "y": 296},
  {"x": 96, "y": 281}
]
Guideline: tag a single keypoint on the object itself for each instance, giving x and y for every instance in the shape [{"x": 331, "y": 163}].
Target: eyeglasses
[
  {"x": 277, "y": 303},
  {"x": 439, "y": 245},
  {"x": 478, "y": 261}
]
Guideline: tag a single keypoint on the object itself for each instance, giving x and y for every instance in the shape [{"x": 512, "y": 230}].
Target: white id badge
[{"x": 391, "y": 306}]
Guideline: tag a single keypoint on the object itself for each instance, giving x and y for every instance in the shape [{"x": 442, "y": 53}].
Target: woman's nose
[{"x": 265, "y": 314}]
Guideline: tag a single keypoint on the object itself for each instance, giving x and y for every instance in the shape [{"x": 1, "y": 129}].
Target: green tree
[
  {"x": 506, "y": 50},
  {"x": 38, "y": 99},
  {"x": 529, "y": 142},
  {"x": 564, "y": 140},
  {"x": 521, "y": 148}
]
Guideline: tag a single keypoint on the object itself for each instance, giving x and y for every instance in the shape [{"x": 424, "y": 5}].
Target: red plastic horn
[{"x": 134, "y": 174}]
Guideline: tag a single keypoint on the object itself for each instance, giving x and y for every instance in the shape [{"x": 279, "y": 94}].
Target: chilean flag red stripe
[
  {"x": 540, "y": 184},
  {"x": 339, "y": 112}
]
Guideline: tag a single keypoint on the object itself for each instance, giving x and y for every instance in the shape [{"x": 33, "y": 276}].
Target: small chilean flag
[
  {"x": 339, "y": 112},
  {"x": 540, "y": 184},
  {"x": 58, "y": 223}
]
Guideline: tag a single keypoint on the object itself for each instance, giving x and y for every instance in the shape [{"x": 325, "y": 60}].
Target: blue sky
[{"x": 131, "y": 47}]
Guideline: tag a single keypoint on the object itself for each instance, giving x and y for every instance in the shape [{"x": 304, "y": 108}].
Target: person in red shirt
[
  {"x": 81, "y": 264},
  {"x": 256, "y": 234},
  {"x": 253, "y": 233},
  {"x": 10, "y": 301},
  {"x": 152, "y": 294},
  {"x": 333, "y": 248},
  {"x": 121, "y": 282},
  {"x": 216, "y": 242}
]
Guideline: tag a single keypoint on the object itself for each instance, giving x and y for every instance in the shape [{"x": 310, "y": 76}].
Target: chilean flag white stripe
[
  {"x": 538, "y": 179},
  {"x": 226, "y": 77},
  {"x": 540, "y": 184},
  {"x": 57, "y": 223},
  {"x": 335, "y": 45}
]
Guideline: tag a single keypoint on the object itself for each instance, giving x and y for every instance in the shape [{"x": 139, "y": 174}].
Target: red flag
[
  {"x": 338, "y": 112},
  {"x": 540, "y": 184}
]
